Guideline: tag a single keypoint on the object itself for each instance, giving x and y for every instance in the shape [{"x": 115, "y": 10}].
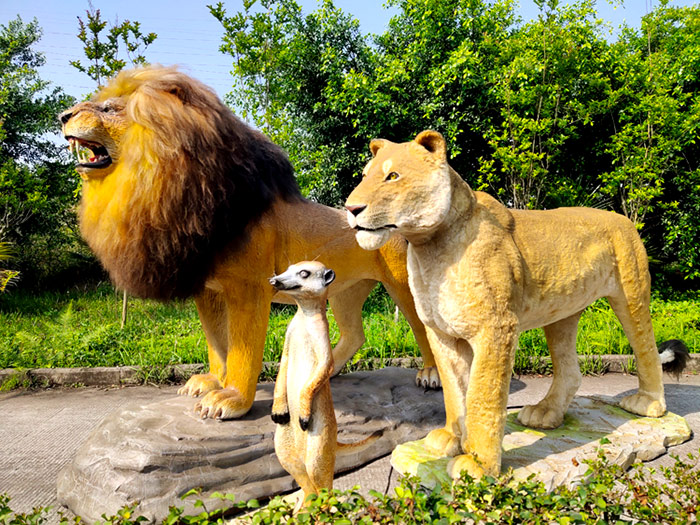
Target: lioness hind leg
[
  {"x": 347, "y": 311},
  {"x": 561, "y": 340},
  {"x": 636, "y": 322}
]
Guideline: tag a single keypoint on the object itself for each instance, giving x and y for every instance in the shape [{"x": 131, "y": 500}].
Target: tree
[
  {"x": 37, "y": 180},
  {"x": 104, "y": 55},
  {"x": 548, "y": 84}
]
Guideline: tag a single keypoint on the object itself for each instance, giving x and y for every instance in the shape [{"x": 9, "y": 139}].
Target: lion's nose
[
  {"x": 355, "y": 209},
  {"x": 65, "y": 116}
]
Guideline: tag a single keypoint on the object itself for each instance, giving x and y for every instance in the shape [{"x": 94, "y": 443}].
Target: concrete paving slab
[{"x": 41, "y": 430}]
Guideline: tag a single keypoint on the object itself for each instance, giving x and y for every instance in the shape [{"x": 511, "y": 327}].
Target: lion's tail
[
  {"x": 348, "y": 448},
  {"x": 674, "y": 356}
]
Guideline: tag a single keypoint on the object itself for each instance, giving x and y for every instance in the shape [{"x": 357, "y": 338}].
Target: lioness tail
[{"x": 674, "y": 356}]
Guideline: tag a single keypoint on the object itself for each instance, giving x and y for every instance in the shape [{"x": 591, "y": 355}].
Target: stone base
[
  {"x": 155, "y": 453},
  {"x": 556, "y": 457}
]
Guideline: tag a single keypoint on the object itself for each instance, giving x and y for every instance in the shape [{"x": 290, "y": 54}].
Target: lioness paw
[
  {"x": 442, "y": 441},
  {"x": 540, "y": 416},
  {"x": 644, "y": 405},
  {"x": 200, "y": 384},
  {"x": 465, "y": 463},
  {"x": 428, "y": 378},
  {"x": 226, "y": 403}
]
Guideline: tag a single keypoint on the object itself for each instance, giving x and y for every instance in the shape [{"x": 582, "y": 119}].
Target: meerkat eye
[
  {"x": 304, "y": 274},
  {"x": 392, "y": 176}
]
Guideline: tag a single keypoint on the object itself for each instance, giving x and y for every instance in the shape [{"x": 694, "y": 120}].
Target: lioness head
[{"x": 405, "y": 188}]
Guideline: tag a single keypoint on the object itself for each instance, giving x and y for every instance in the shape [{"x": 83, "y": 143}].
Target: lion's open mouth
[{"x": 89, "y": 154}]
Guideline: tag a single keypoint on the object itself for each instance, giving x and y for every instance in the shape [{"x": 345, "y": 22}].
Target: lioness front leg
[
  {"x": 212, "y": 315},
  {"x": 487, "y": 398},
  {"x": 453, "y": 360},
  {"x": 247, "y": 313}
]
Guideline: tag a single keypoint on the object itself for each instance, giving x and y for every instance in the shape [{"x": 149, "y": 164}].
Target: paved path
[{"x": 41, "y": 430}]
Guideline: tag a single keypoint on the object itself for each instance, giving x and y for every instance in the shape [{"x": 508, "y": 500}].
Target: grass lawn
[{"x": 82, "y": 328}]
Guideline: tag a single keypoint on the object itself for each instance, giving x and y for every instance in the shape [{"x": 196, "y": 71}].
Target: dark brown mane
[{"x": 213, "y": 177}]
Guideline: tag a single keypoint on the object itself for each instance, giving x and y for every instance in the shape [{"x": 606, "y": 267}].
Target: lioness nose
[
  {"x": 356, "y": 209},
  {"x": 65, "y": 116}
]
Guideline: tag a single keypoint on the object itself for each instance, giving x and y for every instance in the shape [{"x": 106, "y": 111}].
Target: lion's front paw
[
  {"x": 442, "y": 441},
  {"x": 644, "y": 405},
  {"x": 200, "y": 384},
  {"x": 428, "y": 378},
  {"x": 541, "y": 415},
  {"x": 466, "y": 463},
  {"x": 226, "y": 403}
]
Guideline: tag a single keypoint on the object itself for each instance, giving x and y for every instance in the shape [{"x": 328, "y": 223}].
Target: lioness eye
[
  {"x": 304, "y": 274},
  {"x": 392, "y": 176}
]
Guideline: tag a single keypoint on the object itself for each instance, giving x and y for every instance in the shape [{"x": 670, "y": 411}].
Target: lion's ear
[
  {"x": 375, "y": 145},
  {"x": 432, "y": 141}
]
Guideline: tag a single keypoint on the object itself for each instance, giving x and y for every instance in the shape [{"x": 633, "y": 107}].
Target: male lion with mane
[
  {"x": 181, "y": 198},
  {"x": 481, "y": 274}
]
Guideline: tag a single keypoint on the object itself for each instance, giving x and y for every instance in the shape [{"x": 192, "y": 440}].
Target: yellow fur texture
[
  {"x": 481, "y": 274},
  {"x": 181, "y": 198}
]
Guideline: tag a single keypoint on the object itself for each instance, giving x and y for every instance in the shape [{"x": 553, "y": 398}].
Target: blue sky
[{"x": 189, "y": 36}]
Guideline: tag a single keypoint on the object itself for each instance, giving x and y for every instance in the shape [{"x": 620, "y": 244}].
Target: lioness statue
[
  {"x": 181, "y": 198},
  {"x": 481, "y": 274}
]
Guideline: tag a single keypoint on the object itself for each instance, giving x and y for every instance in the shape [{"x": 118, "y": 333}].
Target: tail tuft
[{"x": 674, "y": 356}]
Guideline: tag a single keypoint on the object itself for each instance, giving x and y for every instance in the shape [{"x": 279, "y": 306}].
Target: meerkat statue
[{"x": 306, "y": 437}]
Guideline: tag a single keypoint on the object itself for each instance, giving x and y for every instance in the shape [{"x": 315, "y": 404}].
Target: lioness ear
[
  {"x": 432, "y": 141},
  {"x": 328, "y": 277},
  {"x": 375, "y": 145}
]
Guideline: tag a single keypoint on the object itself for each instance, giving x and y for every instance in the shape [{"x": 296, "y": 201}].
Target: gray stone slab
[
  {"x": 154, "y": 453},
  {"x": 558, "y": 457}
]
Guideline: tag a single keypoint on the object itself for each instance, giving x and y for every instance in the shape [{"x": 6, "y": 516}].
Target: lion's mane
[{"x": 191, "y": 177}]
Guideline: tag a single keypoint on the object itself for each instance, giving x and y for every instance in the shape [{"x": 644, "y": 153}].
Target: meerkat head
[{"x": 307, "y": 278}]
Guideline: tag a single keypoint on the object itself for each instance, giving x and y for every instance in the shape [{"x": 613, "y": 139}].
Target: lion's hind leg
[
  {"x": 561, "y": 340},
  {"x": 636, "y": 322}
]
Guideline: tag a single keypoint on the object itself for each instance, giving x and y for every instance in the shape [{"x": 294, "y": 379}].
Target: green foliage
[
  {"x": 609, "y": 495},
  {"x": 103, "y": 55},
  {"x": 37, "y": 181},
  {"x": 6, "y": 276}
]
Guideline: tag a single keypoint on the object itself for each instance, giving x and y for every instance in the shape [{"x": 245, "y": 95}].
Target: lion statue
[
  {"x": 181, "y": 198},
  {"x": 481, "y": 274}
]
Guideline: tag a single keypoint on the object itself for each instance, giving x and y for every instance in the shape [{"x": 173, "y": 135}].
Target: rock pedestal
[
  {"x": 155, "y": 453},
  {"x": 557, "y": 457}
]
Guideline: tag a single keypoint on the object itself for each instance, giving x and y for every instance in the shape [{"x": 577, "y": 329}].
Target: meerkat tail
[{"x": 347, "y": 448}]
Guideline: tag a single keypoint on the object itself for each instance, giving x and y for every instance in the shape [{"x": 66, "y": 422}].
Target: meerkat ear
[
  {"x": 432, "y": 141},
  {"x": 328, "y": 277},
  {"x": 375, "y": 145}
]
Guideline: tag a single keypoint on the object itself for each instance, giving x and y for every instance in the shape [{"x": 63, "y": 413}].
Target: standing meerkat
[{"x": 306, "y": 437}]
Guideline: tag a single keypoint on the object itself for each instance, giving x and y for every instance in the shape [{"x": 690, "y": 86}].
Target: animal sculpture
[
  {"x": 306, "y": 436},
  {"x": 481, "y": 274},
  {"x": 182, "y": 199}
]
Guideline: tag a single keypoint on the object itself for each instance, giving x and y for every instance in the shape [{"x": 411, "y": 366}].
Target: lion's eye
[
  {"x": 392, "y": 176},
  {"x": 304, "y": 274}
]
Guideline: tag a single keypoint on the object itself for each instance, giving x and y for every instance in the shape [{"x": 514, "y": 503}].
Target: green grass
[{"x": 82, "y": 328}]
